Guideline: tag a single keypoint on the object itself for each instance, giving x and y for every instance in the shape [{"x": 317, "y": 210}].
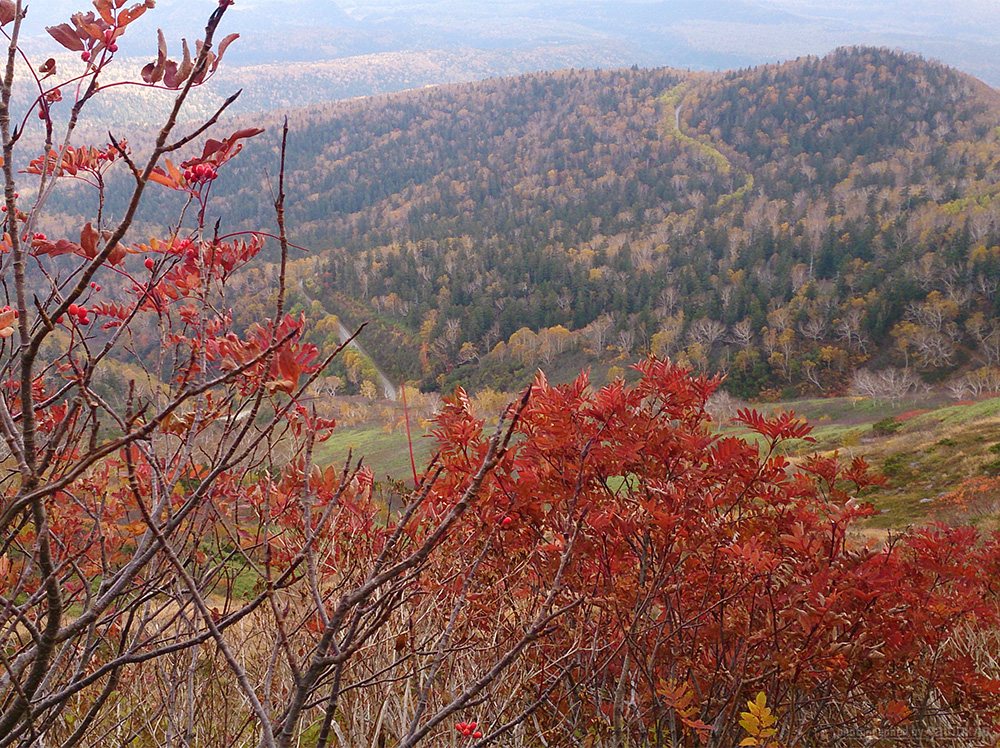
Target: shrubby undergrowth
[{"x": 595, "y": 566}]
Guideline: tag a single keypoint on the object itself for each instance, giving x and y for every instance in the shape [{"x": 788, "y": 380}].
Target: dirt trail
[{"x": 388, "y": 388}]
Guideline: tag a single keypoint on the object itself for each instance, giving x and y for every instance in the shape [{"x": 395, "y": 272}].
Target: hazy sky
[{"x": 702, "y": 34}]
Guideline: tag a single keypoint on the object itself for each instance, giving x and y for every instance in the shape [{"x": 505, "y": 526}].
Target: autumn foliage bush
[
  {"x": 596, "y": 564},
  {"x": 708, "y": 569}
]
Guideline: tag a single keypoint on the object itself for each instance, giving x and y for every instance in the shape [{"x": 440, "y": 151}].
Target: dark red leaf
[
  {"x": 7, "y": 11},
  {"x": 88, "y": 240},
  {"x": 67, "y": 36}
]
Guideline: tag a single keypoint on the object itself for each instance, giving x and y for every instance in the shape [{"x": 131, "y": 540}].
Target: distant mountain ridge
[
  {"x": 787, "y": 224},
  {"x": 373, "y": 44}
]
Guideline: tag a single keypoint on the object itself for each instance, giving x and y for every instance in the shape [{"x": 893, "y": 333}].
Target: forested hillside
[{"x": 787, "y": 225}]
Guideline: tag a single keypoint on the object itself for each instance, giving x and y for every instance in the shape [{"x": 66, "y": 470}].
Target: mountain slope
[{"x": 787, "y": 224}]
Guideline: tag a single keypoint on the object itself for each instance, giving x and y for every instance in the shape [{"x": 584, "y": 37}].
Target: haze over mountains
[{"x": 297, "y": 52}]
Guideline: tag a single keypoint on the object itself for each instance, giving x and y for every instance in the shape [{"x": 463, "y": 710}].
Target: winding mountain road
[{"x": 388, "y": 388}]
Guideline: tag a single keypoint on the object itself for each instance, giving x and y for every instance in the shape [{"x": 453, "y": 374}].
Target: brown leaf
[
  {"x": 148, "y": 73},
  {"x": 199, "y": 76},
  {"x": 54, "y": 249},
  {"x": 223, "y": 45},
  {"x": 88, "y": 240},
  {"x": 280, "y": 385},
  {"x": 170, "y": 77},
  {"x": 104, "y": 8},
  {"x": 86, "y": 23},
  {"x": 118, "y": 254},
  {"x": 67, "y": 36},
  {"x": 7, "y": 11},
  {"x": 212, "y": 146},
  {"x": 130, "y": 14},
  {"x": 186, "y": 66},
  {"x": 47, "y": 68},
  {"x": 153, "y": 72}
]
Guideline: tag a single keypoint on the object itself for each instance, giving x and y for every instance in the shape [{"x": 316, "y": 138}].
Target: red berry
[
  {"x": 85, "y": 55},
  {"x": 84, "y": 320},
  {"x": 112, "y": 47},
  {"x": 477, "y": 734},
  {"x": 97, "y": 288},
  {"x": 73, "y": 309},
  {"x": 149, "y": 263},
  {"x": 59, "y": 320}
]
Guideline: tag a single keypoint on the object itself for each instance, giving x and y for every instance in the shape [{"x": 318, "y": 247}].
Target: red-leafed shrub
[
  {"x": 706, "y": 569},
  {"x": 177, "y": 569}
]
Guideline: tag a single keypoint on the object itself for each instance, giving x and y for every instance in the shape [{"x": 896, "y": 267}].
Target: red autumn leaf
[{"x": 54, "y": 249}]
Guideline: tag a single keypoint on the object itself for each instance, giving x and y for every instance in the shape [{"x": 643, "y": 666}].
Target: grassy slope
[
  {"x": 935, "y": 447},
  {"x": 385, "y": 453}
]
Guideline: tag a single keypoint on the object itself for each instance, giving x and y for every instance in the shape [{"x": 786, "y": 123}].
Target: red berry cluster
[
  {"x": 201, "y": 173},
  {"x": 95, "y": 287},
  {"x": 468, "y": 729},
  {"x": 80, "y": 312},
  {"x": 7, "y": 309}
]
